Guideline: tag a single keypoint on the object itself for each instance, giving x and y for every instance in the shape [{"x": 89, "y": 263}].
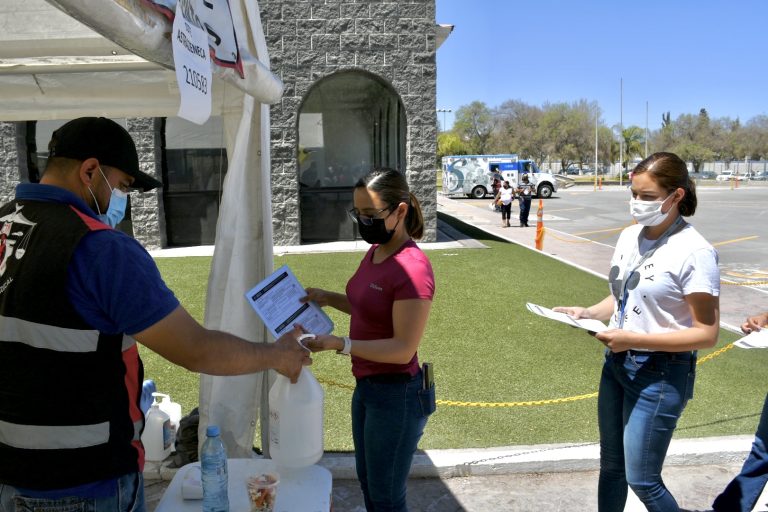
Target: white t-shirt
[
  {"x": 506, "y": 195},
  {"x": 684, "y": 264}
]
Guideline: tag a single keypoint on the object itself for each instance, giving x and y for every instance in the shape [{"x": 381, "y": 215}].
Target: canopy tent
[{"x": 54, "y": 67}]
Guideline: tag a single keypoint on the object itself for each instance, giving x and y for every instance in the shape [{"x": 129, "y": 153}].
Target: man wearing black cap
[{"x": 75, "y": 296}]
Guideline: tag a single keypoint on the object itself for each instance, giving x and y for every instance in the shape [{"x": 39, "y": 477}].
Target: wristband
[{"x": 347, "y": 347}]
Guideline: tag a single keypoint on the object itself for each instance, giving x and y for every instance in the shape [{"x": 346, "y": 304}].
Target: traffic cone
[{"x": 540, "y": 226}]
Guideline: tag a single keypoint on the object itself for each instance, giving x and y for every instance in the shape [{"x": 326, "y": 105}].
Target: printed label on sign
[{"x": 193, "y": 65}]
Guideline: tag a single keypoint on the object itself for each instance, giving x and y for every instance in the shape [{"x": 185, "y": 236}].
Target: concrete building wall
[{"x": 311, "y": 39}]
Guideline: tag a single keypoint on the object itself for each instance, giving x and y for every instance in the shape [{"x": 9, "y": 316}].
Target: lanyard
[{"x": 631, "y": 268}]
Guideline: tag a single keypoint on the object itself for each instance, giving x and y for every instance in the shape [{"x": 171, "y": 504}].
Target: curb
[{"x": 543, "y": 458}]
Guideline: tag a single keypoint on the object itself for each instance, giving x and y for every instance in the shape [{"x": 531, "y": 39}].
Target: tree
[
  {"x": 517, "y": 130},
  {"x": 634, "y": 143},
  {"x": 449, "y": 143},
  {"x": 569, "y": 131},
  {"x": 693, "y": 139},
  {"x": 474, "y": 124}
]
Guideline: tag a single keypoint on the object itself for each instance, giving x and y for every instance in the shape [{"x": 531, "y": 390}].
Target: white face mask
[{"x": 648, "y": 213}]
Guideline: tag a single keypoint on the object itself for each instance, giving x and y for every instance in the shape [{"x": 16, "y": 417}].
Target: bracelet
[{"x": 347, "y": 347}]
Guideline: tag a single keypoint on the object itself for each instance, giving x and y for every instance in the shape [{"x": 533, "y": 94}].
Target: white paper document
[
  {"x": 582, "y": 323},
  {"x": 276, "y": 300},
  {"x": 756, "y": 339}
]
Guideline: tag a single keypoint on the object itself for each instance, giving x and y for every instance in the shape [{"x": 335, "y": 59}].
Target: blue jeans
[
  {"x": 742, "y": 493},
  {"x": 129, "y": 498},
  {"x": 525, "y": 209},
  {"x": 388, "y": 419},
  {"x": 642, "y": 395}
]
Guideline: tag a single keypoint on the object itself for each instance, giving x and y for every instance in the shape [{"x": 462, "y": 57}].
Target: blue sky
[{"x": 678, "y": 55}]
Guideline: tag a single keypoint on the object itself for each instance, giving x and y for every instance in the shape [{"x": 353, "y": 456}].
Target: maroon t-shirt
[{"x": 372, "y": 292}]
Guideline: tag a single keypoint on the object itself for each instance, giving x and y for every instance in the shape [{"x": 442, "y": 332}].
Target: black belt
[
  {"x": 684, "y": 356},
  {"x": 388, "y": 378}
]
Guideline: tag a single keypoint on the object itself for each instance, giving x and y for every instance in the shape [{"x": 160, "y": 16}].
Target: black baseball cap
[{"x": 104, "y": 140}]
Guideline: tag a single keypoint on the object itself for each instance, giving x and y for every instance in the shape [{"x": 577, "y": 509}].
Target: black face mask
[{"x": 377, "y": 232}]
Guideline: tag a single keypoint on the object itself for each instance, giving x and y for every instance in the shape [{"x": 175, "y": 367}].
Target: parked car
[
  {"x": 760, "y": 176},
  {"x": 704, "y": 175},
  {"x": 730, "y": 175}
]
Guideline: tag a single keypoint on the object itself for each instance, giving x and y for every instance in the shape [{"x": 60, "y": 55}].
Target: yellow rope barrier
[{"x": 527, "y": 403}]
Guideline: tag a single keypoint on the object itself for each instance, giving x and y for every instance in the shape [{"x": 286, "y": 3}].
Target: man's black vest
[{"x": 69, "y": 395}]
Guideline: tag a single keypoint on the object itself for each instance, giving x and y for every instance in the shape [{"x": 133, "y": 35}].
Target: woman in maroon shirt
[{"x": 388, "y": 300}]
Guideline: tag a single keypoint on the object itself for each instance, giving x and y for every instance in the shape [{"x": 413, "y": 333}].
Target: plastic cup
[{"x": 262, "y": 492}]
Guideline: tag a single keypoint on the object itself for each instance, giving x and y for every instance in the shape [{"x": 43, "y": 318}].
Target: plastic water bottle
[
  {"x": 296, "y": 421},
  {"x": 213, "y": 465}
]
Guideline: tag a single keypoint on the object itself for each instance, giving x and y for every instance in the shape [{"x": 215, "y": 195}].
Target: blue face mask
[{"x": 118, "y": 202}]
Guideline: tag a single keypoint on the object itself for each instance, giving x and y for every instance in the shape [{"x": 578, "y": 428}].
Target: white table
[{"x": 300, "y": 490}]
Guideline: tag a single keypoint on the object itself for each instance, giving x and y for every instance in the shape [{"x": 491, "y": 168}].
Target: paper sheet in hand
[
  {"x": 756, "y": 339},
  {"x": 276, "y": 300},
  {"x": 582, "y": 323}
]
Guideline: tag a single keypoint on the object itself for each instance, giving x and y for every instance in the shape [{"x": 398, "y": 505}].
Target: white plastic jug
[
  {"x": 296, "y": 421},
  {"x": 157, "y": 436},
  {"x": 172, "y": 409}
]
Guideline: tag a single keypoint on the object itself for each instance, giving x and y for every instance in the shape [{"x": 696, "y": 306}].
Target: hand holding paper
[{"x": 582, "y": 323}]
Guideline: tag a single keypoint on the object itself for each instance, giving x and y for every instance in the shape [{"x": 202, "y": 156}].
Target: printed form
[{"x": 276, "y": 300}]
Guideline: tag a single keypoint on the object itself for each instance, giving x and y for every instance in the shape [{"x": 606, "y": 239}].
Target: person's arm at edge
[
  {"x": 409, "y": 319},
  {"x": 180, "y": 339}
]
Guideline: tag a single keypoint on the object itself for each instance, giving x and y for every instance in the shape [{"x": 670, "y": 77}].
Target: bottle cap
[{"x": 212, "y": 431}]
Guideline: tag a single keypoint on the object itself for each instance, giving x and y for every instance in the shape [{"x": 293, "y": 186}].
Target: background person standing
[
  {"x": 525, "y": 190},
  {"x": 505, "y": 196}
]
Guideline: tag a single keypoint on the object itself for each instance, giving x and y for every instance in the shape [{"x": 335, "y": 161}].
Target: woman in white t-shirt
[
  {"x": 663, "y": 306},
  {"x": 505, "y": 195}
]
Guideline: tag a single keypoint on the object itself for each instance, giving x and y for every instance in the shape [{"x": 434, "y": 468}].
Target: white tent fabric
[
  {"x": 52, "y": 67},
  {"x": 242, "y": 258}
]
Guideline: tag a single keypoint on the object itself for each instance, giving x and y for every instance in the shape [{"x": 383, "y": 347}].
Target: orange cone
[{"x": 540, "y": 226}]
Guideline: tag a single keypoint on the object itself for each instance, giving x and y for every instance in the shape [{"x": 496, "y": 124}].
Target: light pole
[{"x": 444, "y": 111}]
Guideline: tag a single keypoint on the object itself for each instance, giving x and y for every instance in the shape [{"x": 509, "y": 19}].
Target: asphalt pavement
[{"x": 558, "y": 477}]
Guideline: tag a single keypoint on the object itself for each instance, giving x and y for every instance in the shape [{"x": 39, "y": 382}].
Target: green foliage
[
  {"x": 474, "y": 125},
  {"x": 566, "y": 133},
  {"x": 449, "y": 143},
  {"x": 634, "y": 143},
  {"x": 486, "y": 347}
]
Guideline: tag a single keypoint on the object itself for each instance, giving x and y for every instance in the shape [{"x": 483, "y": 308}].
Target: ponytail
[{"x": 414, "y": 221}]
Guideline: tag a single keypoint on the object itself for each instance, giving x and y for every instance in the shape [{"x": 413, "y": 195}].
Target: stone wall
[
  {"x": 146, "y": 208},
  {"x": 9, "y": 162},
  {"x": 312, "y": 39}
]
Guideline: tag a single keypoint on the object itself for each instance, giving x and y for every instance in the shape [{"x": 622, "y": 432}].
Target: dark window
[
  {"x": 194, "y": 166},
  {"x": 349, "y": 122}
]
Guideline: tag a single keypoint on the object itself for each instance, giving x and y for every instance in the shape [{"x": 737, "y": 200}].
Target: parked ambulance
[{"x": 472, "y": 175}]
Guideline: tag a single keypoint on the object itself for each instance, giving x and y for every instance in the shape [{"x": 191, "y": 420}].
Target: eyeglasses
[{"x": 366, "y": 220}]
